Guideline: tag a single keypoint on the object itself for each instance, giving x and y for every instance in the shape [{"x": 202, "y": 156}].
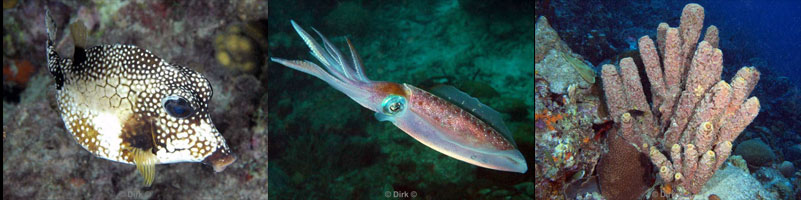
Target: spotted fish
[{"x": 124, "y": 104}]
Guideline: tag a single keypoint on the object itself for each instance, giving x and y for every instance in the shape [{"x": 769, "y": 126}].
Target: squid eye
[
  {"x": 393, "y": 104},
  {"x": 177, "y": 106}
]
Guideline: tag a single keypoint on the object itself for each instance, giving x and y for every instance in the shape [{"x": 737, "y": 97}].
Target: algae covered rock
[
  {"x": 774, "y": 182},
  {"x": 240, "y": 47},
  {"x": 564, "y": 69},
  {"x": 787, "y": 168},
  {"x": 755, "y": 152},
  {"x": 546, "y": 39},
  {"x": 739, "y": 162},
  {"x": 557, "y": 63}
]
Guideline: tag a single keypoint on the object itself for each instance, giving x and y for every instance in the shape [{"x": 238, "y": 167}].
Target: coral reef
[
  {"x": 600, "y": 29},
  {"x": 787, "y": 168},
  {"x": 733, "y": 183},
  {"x": 566, "y": 109},
  {"x": 18, "y": 71},
  {"x": 567, "y": 69},
  {"x": 241, "y": 46},
  {"x": 774, "y": 182},
  {"x": 755, "y": 152},
  {"x": 695, "y": 116},
  {"x": 547, "y": 39},
  {"x": 739, "y": 162},
  {"x": 626, "y": 173},
  {"x": 591, "y": 196}
]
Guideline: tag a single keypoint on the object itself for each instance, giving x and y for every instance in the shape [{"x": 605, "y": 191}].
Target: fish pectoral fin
[{"x": 145, "y": 162}]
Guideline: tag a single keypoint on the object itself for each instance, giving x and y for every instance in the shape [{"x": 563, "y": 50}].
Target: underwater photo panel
[{"x": 406, "y": 99}]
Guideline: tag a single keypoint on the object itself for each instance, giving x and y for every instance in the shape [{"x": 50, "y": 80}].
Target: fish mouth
[{"x": 220, "y": 159}]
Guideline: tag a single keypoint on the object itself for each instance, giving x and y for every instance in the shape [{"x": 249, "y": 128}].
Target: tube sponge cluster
[{"x": 694, "y": 116}]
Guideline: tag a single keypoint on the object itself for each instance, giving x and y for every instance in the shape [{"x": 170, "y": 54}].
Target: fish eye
[
  {"x": 177, "y": 106},
  {"x": 393, "y": 104}
]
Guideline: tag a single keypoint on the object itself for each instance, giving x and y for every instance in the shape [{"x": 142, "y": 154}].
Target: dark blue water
[{"x": 771, "y": 29}]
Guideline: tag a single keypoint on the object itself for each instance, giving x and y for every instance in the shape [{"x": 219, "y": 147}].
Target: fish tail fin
[
  {"x": 145, "y": 162},
  {"x": 52, "y": 56},
  {"x": 53, "y": 60},
  {"x": 51, "y": 28}
]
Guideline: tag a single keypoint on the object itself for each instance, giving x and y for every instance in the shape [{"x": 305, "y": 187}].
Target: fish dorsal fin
[
  {"x": 78, "y": 32},
  {"x": 472, "y": 105}
]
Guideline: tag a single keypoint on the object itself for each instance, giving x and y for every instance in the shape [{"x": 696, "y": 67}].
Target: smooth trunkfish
[{"x": 124, "y": 104}]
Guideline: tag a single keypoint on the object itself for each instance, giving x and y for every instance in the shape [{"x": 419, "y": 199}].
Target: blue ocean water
[{"x": 772, "y": 29}]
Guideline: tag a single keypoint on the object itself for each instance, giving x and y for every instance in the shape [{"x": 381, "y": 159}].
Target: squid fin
[
  {"x": 145, "y": 162},
  {"x": 472, "y": 105}
]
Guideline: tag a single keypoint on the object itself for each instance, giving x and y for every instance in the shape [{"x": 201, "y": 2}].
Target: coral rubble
[{"x": 695, "y": 116}]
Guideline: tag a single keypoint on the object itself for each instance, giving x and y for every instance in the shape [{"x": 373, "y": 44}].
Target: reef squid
[
  {"x": 450, "y": 122},
  {"x": 124, "y": 104}
]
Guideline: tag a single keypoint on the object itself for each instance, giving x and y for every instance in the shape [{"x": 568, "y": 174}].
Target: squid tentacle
[
  {"x": 321, "y": 54},
  {"x": 336, "y": 70},
  {"x": 337, "y": 56},
  {"x": 331, "y": 58},
  {"x": 357, "y": 62}
]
